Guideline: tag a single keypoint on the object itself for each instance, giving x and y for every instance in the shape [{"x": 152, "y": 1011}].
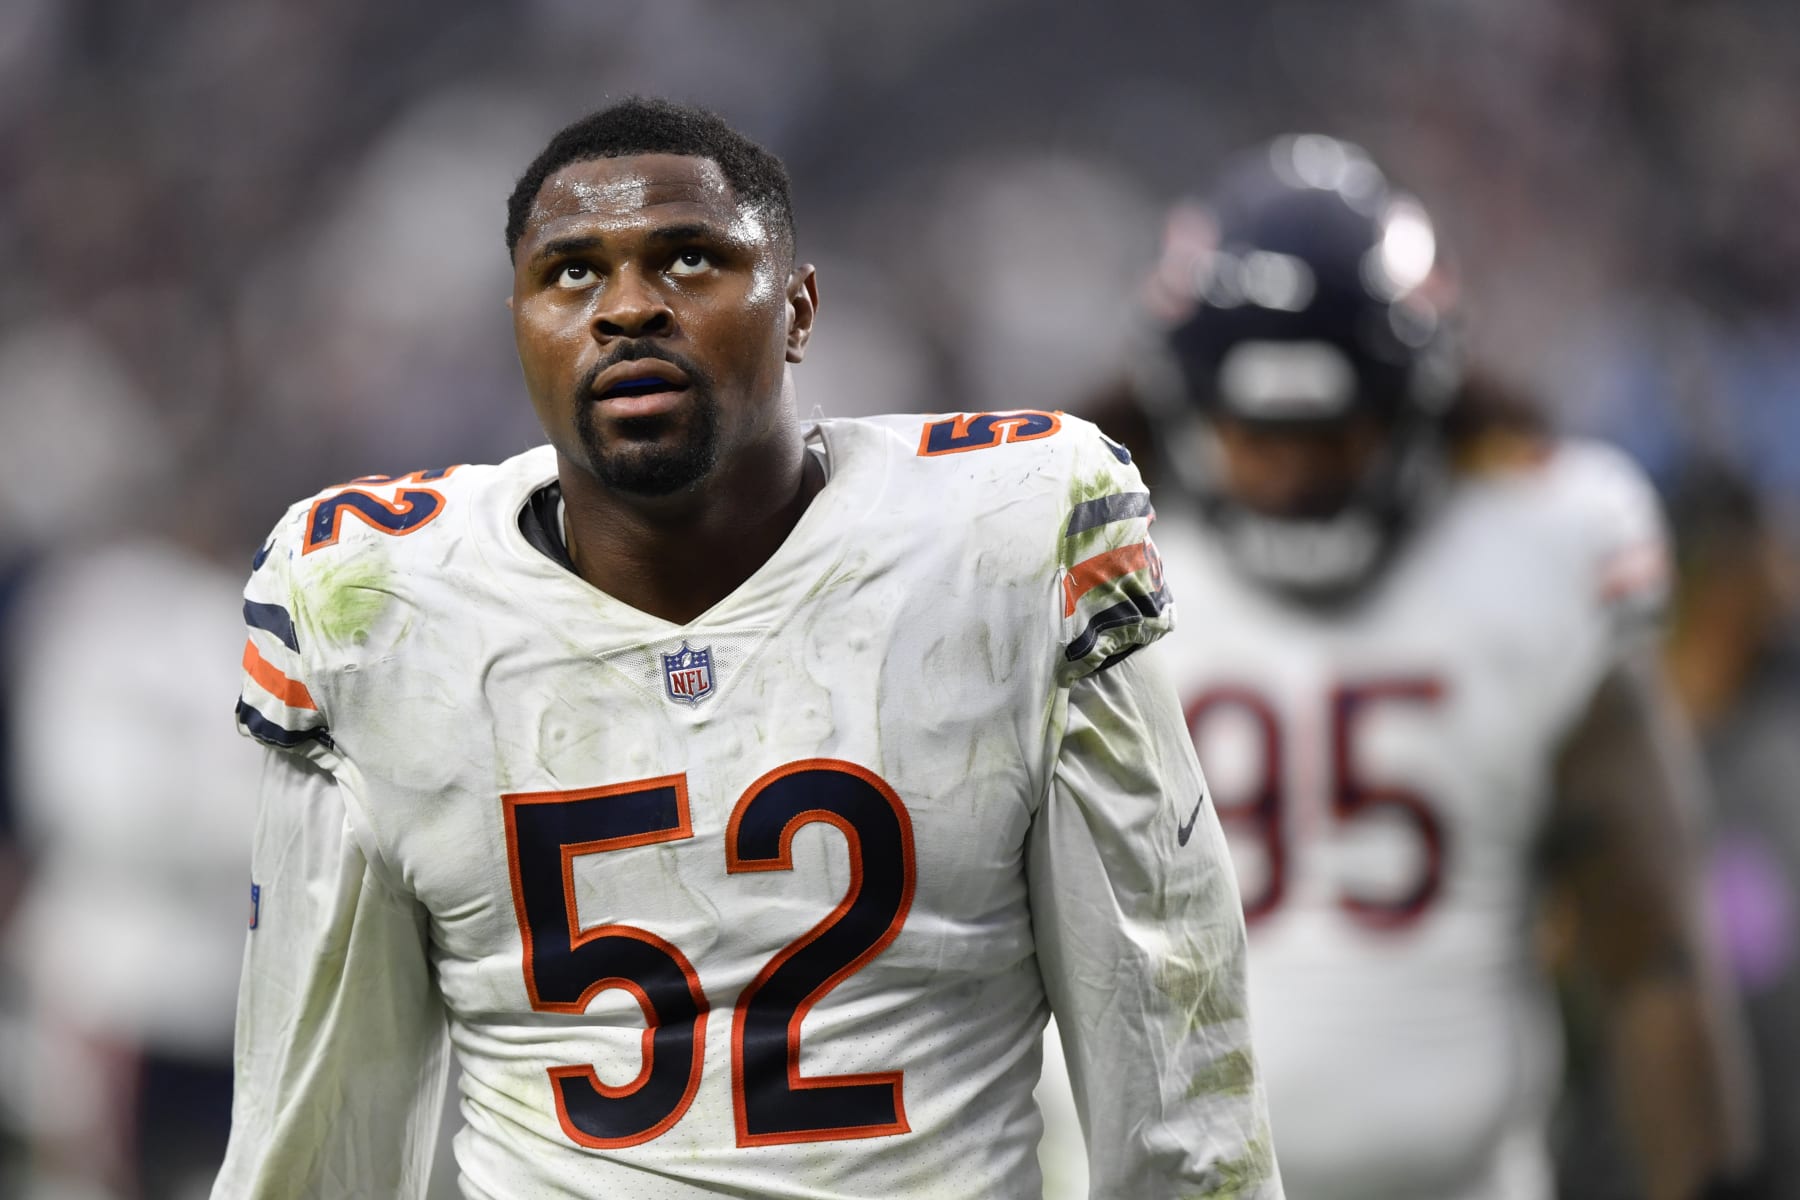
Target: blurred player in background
[
  {"x": 740, "y": 794},
  {"x": 1423, "y": 680},
  {"x": 128, "y": 936}
]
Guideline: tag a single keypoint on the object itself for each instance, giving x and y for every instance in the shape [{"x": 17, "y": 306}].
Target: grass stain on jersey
[
  {"x": 1197, "y": 982},
  {"x": 1231, "y": 1074},
  {"x": 345, "y": 600},
  {"x": 1241, "y": 1176}
]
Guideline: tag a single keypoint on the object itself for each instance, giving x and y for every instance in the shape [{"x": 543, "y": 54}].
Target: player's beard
[{"x": 637, "y": 458}]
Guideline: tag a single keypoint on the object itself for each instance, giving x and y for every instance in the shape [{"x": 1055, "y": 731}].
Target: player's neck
[{"x": 675, "y": 560}]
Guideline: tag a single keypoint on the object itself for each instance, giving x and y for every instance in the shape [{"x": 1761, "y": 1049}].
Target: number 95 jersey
[
  {"x": 766, "y": 904},
  {"x": 1383, "y": 772}
]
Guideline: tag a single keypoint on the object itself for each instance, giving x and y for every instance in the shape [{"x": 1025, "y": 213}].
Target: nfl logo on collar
[{"x": 688, "y": 674}]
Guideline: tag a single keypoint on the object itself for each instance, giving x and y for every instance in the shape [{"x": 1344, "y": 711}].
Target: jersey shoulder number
[
  {"x": 394, "y": 505},
  {"x": 962, "y": 432}
]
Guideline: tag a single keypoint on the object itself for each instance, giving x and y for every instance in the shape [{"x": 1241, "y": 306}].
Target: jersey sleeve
[
  {"x": 340, "y": 1050},
  {"x": 1140, "y": 940},
  {"x": 1113, "y": 598},
  {"x": 276, "y": 706}
]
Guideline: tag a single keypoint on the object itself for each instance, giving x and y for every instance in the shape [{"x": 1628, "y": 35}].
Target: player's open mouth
[{"x": 641, "y": 388}]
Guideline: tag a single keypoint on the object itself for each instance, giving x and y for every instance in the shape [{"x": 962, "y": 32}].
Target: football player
[
  {"x": 738, "y": 795},
  {"x": 1424, "y": 686}
]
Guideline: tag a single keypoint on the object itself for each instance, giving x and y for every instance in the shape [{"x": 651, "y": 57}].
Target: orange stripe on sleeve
[
  {"x": 1636, "y": 570},
  {"x": 290, "y": 692},
  {"x": 1090, "y": 573}
]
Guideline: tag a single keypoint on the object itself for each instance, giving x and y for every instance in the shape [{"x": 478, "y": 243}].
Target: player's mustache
[{"x": 639, "y": 351}]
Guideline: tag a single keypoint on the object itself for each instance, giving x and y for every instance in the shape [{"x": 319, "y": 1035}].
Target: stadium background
[{"x": 254, "y": 248}]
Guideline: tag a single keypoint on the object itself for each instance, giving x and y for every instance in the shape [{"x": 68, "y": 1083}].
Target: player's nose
[{"x": 632, "y": 306}]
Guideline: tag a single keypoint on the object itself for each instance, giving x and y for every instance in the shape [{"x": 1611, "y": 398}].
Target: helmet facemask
[{"x": 1325, "y": 547}]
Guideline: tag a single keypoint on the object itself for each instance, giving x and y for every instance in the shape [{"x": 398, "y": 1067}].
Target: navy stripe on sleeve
[
  {"x": 1112, "y": 660},
  {"x": 265, "y": 730},
  {"x": 272, "y": 618},
  {"x": 1091, "y": 514},
  {"x": 1125, "y": 612}
]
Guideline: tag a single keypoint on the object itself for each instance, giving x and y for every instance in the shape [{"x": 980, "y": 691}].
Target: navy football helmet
[{"x": 1305, "y": 298}]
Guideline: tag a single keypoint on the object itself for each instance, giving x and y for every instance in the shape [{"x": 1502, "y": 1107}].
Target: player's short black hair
[{"x": 644, "y": 125}]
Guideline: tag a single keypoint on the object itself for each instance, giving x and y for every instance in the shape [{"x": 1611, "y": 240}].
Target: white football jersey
[
  {"x": 769, "y": 904},
  {"x": 1383, "y": 772}
]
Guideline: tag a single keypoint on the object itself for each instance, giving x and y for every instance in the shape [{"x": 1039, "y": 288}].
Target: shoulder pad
[
  {"x": 1605, "y": 500},
  {"x": 1084, "y": 496}
]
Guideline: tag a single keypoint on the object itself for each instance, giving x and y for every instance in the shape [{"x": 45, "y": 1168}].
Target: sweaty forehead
[{"x": 631, "y": 189}]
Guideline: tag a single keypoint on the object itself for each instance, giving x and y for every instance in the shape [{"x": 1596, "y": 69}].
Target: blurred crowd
[{"x": 255, "y": 248}]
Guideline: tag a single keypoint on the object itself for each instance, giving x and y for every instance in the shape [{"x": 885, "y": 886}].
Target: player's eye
[
  {"x": 575, "y": 275},
  {"x": 689, "y": 262}
]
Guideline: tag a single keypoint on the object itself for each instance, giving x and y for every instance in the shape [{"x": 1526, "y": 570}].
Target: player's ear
[{"x": 803, "y": 306}]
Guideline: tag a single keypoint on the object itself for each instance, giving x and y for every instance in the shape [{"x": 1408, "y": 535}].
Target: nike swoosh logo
[{"x": 1186, "y": 830}]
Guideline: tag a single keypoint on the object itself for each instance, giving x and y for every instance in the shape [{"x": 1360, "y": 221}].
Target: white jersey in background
[
  {"x": 769, "y": 904},
  {"x": 1383, "y": 772}
]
